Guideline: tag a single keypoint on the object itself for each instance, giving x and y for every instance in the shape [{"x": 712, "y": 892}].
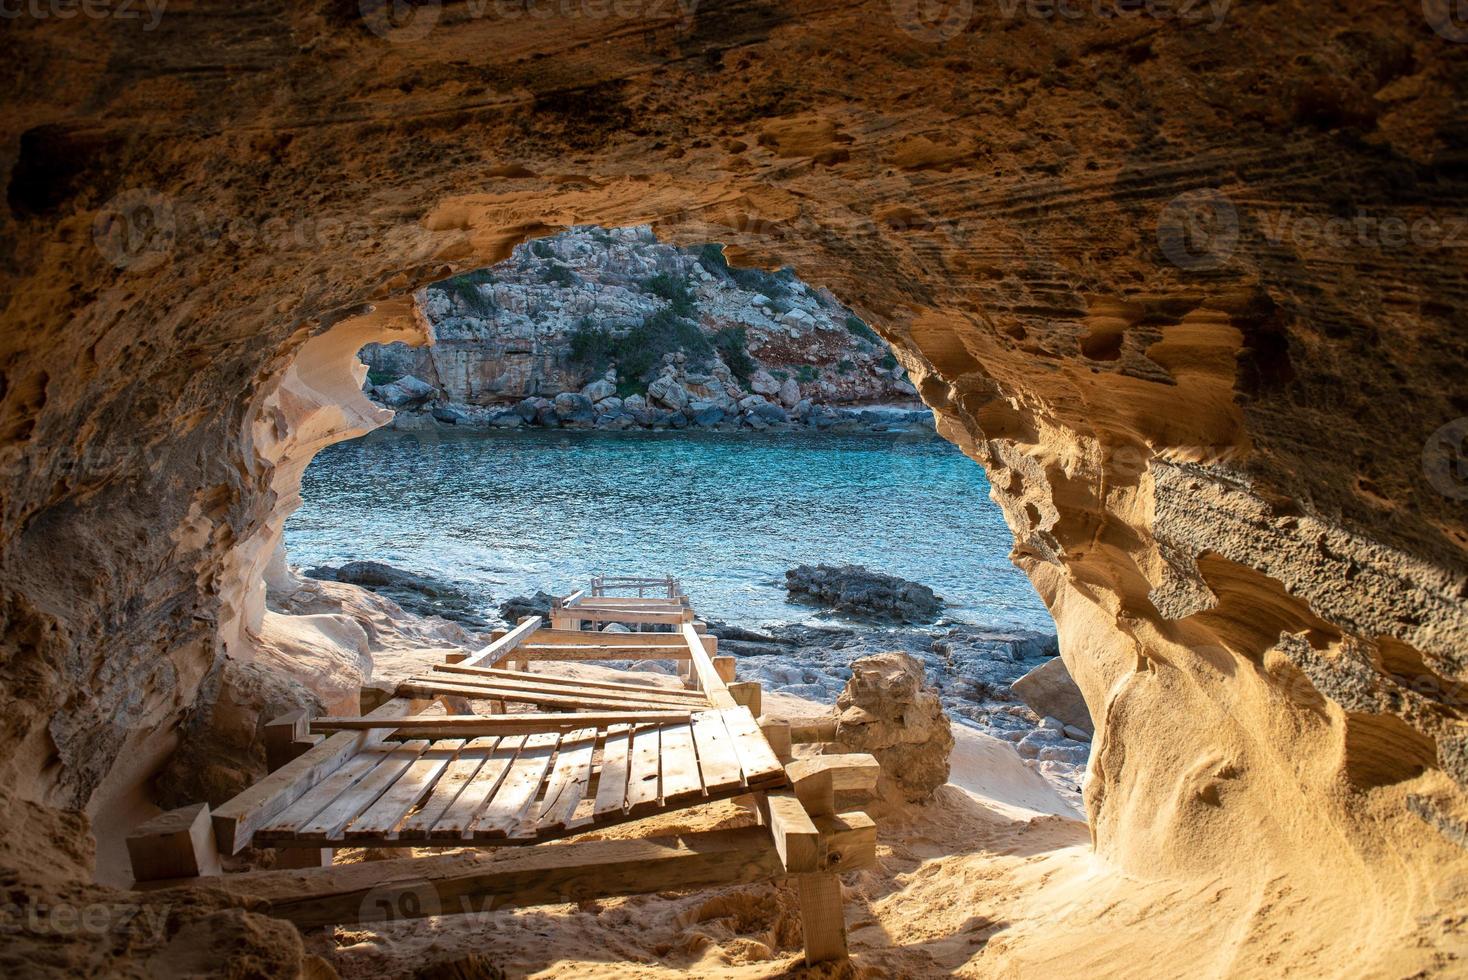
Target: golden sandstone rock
[{"x": 1183, "y": 283}]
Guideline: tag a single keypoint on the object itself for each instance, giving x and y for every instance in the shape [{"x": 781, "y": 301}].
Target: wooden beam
[
  {"x": 555, "y": 637},
  {"x": 566, "y": 652},
  {"x": 708, "y": 679},
  {"x": 280, "y": 733},
  {"x": 236, "y": 820},
  {"x": 796, "y": 838},
  {"x": 469, "y": 726},
  {"x": 176, "y": 844},
  {"x": 406, "y": 888},
  {"x": 429, "y": 687},
  {"x": 749, "y": 694},
  {"x": 632, "y": 617},
  {"x": 822, "y": 920},
  {"x": 777, "y": 732},
  {"x": 811, "y": 728},
  {"x": 496, "y": 651},
  {"x": 853, "y": 771},
  {"x": 848, "y": 841},
  {"x": 506, "y": 681}
]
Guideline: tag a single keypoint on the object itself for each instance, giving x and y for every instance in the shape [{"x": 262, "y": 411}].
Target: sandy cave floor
[{"x": 950, "y": 880}]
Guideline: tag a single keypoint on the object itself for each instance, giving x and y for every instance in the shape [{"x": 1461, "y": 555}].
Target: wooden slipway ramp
[{"x": 547, "y": 757}]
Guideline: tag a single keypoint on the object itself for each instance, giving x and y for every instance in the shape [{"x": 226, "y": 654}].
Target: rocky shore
[{"x": 611, "y": 329}]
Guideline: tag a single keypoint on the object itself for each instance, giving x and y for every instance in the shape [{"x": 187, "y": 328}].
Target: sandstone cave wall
[{"x": 1220, "y": 445}]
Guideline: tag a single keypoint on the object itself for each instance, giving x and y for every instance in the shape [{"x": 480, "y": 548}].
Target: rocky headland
[{"x": 612, "y": 329}]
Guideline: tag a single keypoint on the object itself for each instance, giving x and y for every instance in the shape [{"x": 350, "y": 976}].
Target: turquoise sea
[{"x": 506, "y": 513}]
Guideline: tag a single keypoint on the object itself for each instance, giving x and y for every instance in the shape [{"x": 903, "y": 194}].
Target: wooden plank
[
  {"x": 848, "y": 841},
  {"x": 566, "y": 653},
  {"x": 491, "y": 654},
  {"x": 709, "y": 680},
  {"x": 516, "y": 794},
  {"x": 555, "y": 637},
  {"x": 375, "y": 891},
  {"x": 717, "y": 760},
  {"x": 776, "y": 732},
  {"x": 759, "y": 762},
  {"x": 320, "y": 796},
  {"x": 644, "y": 780},
  {"x": 611, "y": 789},
  {"x": 450, "y": 784},
  {"x": 821, "y": 918},
  {"x": 796, "y": 839},
  {"x": 176, "y": 844},
  {"x": 328, "y": 824},
  {"x": 459, "y": 817},
  {"x": 680, "y": 775},
  {"x": 631, "y": 617},
  {"x": 568, "y": 781},
  {"x": 432, "y": 687},
  {"x": 414, "y": 784},
  {"x": 532, "y": 685},
  {"x": 236, "y": 820},
  {"x": 472, "y": 725},
  {"x": 576, "y": 682},
  {"x": 723, "y": 666}
]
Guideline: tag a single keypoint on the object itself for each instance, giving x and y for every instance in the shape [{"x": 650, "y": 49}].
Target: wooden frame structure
[{"x": 415, "y": 770}]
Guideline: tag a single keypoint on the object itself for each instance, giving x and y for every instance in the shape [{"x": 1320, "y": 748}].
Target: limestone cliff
[
  {"x": 1182, "y": 283},
  {"x": 521, "y": 329}
]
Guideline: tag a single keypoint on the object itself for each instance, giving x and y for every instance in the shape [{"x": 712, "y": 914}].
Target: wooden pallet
[{"x": 525, "y": 788}]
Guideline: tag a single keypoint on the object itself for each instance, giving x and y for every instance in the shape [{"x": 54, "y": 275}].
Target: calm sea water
[{"x": 508, "y": 513}]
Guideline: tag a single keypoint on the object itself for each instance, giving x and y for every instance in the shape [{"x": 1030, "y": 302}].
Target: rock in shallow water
[
  {"x": 859, "y": 591},
  {"x": 416, "y": 593}
]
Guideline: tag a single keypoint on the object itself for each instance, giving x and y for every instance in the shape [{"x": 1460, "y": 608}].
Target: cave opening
[{"x": 600, "y": 401}]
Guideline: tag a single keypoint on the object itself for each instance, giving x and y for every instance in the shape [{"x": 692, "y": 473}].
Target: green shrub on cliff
[
  {"x": 671, "y": 288},
  {"x": 465, "y": 289},
  {"x": 732, "y": 345},
  {"x": 861, "y": 331},
  {"x": 558, "y": 274},
  {"x": 638, "y": 353}
]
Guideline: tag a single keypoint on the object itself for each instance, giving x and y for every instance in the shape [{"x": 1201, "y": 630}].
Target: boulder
[
  {"x": 450, "y": 415},
  {"x": 573, "y": 407},
  {"x": 517, "y": 608},
  {"x": 704, "y": 413},
  {"x": 764, "y": 383},
  {"x": 789, "y": 393},
  {"x": 770, "y": 412},
  {"x": 416, "y": 593},
  {"x": 887, "y": 710},
  {"x": 634, "y": 403},
  {"x": 1049, "y": 690},
  {"x": 665, "y": 390},
  {"x": 405, "y": 392},
  {"x": 527, "y": 409},
  {"x": 861, "y": 592},
  {"x": 599, "y": 390}
]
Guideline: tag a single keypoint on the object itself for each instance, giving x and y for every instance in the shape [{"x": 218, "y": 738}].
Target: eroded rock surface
[
  {"x": 1226, "y": 442},
  {"x": 862, "y": 593},
  {"x": 888, "y": 710}
]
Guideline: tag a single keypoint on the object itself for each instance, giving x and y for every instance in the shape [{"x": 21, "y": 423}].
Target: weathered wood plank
[
  {"x": 644, "y": 781},
  {"x": 579, "y": 683},
  {"x": 502, "y": 646},
  {"x": 504, "y": 692},
  {"x": 717, "y": 760},
  {"x": 568, "y": 781},
  {"x": 822, "y": 919},
  {"x": 568, "y": 653},
  {"x": 176, "y": 844},
  {"x": 415, "y": 782},
  {"x": 458, "y": 775},
  {"x": 472, "y": 725},
  {"x": 505, "y": 878},
  {"x": 554, "y": 637},
  {"x": 236, "y": 820},
  {"x": 515, "y": 795},
  {"x": 320, "y": 796},
  {"x": 681, "y": 779},
  {"x": 761, "y": 766},
  {"x": 709, "y": 680},
  {"x": 328, "y": 824},
  {"x": 459, "y": 817},
  {"x": 527, "y": 689},
  {"x": 611, "y": 789}
]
